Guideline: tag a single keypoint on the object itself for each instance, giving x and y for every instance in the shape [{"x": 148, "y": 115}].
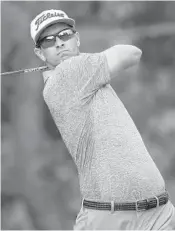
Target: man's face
[{"x": 54, "y": 50}]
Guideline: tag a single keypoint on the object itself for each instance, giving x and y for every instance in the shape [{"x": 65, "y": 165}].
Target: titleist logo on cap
[{"x": 44, "y": 17}]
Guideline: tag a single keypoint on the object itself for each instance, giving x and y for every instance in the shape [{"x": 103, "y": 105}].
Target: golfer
[{"x": 120, "y": 184}]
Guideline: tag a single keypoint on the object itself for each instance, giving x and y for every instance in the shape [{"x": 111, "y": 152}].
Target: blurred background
[{"x": 39, "y": 189}]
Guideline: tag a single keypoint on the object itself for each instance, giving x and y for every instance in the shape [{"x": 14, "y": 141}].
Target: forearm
[{"x": 120, "y": 57}]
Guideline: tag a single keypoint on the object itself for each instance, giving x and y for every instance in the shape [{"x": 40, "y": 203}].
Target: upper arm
[
  {"x": 83, "y": 75},
  {"x": 120, "y": 57}
]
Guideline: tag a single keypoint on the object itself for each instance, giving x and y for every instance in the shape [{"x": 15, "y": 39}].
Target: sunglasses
[{"x": 49, "y": 41}]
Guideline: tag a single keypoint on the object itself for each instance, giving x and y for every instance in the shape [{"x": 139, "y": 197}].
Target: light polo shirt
[{"x": 112, "y": 160}]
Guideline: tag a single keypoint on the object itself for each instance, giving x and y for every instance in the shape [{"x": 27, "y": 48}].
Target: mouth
[{"x": 62, "y": 53}]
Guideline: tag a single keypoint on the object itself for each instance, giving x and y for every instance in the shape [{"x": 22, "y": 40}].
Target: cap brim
[{"x": 68, "y": 21}]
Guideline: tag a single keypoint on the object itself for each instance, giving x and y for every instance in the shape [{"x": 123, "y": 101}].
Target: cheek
[
  {"x": 50, "y": 53},
  {"x": 72, "y": 44}
]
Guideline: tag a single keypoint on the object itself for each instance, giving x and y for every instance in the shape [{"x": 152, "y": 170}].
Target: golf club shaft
[{"x": 25, "y": 70}]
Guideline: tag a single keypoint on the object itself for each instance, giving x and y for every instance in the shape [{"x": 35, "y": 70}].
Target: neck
[{"x": 51, "y": 67}]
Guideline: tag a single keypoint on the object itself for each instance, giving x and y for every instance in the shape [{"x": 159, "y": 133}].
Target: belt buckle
[{"x": 141, "y": 209}]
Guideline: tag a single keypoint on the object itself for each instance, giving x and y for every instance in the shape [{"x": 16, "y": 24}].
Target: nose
[{"x": 59, "y": 42}]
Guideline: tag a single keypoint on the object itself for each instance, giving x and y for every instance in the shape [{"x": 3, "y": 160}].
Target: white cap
[{"x": 47, "y": 18}]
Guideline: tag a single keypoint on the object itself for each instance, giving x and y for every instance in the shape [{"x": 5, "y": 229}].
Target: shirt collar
[{"x": 47, "y": 74}]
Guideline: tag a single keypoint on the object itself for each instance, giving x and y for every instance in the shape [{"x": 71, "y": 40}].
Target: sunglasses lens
[
  {"x": 49, "y": 41},
  {"x": 66, "y": 34}
]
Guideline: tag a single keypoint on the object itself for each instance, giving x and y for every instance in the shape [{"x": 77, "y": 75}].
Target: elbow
[
  {"x": 137, "y": 54},
  {"x": 134, "y": 57}
]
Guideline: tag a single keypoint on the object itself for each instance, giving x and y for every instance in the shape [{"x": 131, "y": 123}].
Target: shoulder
[{"x": 81, "y": 59}]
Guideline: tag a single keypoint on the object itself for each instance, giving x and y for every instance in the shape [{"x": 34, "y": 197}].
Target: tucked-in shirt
[{"x": 111, "y": 158}]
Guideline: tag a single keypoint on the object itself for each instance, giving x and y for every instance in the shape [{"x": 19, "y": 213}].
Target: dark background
[{"x": 39, "y": 180}]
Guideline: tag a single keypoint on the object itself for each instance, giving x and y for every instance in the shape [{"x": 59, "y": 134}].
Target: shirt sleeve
[{"x": 84, "y": 74}]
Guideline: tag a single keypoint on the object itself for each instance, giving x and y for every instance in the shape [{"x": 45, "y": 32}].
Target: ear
[
  {"x": 40, "y": 54},
  {"x": 78, "y": 39}
]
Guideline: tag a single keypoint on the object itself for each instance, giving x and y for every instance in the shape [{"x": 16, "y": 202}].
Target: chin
[
  {"x": 68, "y": 56},
  {"x": 65, "y": 57}
]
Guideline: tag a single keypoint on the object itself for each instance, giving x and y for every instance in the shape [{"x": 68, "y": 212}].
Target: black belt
[{"x": 140, "y": 205}]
